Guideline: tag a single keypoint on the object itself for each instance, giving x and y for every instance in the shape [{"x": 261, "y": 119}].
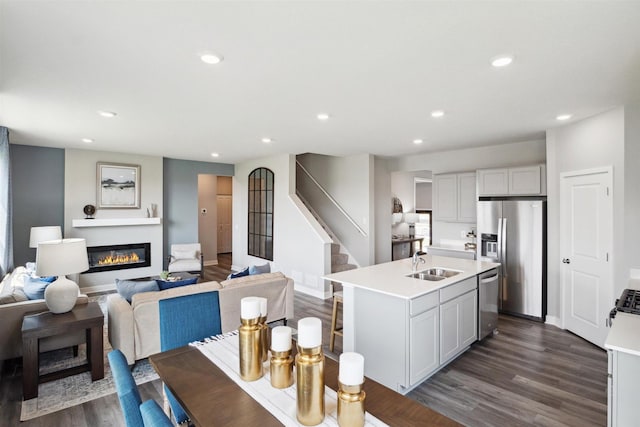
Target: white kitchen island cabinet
[
  {"x": 401, "y": 325},
  {"x": 458, "y": 322}
]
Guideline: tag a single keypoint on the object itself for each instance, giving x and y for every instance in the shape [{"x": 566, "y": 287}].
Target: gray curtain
[{"x": 6, "y": 230}]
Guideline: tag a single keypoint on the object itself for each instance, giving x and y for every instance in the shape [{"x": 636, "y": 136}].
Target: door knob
[{"x": 566, "y": 260}]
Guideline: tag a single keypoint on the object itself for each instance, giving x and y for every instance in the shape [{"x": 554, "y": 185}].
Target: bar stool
[{"x": 337, "y": 299}]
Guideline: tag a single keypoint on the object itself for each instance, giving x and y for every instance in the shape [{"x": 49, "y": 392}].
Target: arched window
[{"x": 260, "y": 236}]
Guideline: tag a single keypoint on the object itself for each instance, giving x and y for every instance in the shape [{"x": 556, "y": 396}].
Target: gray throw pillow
[
  {"x": 128, "y": 288},
  {"x": 259, "y": 269}
]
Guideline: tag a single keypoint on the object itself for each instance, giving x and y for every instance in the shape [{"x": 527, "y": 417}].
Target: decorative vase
[
  {"x": 61, "y": 295},
  {"x": 310, "y": 372},
  {"x": 249, "y": 340}
]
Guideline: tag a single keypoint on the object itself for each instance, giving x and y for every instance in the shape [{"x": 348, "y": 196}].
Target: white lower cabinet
[
  {"x": 423, "y": 356},
  {"x": 458, "y": 325},
  {"x": 624, "y": 374},
  {"x": 405, "y": 341}
]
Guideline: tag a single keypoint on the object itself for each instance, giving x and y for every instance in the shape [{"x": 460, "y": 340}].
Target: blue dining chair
[
  {"x": 129, "y": 396},
  {"x": 153, "y": 416},
  {"x": 183, "y": 320}
]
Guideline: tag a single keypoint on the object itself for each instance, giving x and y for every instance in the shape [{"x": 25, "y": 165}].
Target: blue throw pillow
[
  {"x": 166, "y": 284},
  {"x": 34, "y": 287},
  {"x": 128, "y": 288},
  {"x": 242, "y": 273},
  {"x": 259, "y": 269}
]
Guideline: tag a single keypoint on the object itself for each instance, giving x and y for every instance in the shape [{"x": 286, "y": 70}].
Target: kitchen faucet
[{"x": 417, "y": 260}]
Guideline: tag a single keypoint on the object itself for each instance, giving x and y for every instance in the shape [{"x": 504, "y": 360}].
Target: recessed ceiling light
[
  {"x": 215, "y": 155},
  {"x": 109, "y": 114},
  {"x": 87, "y": 140},
  {"x": 210, "y": 58},
  {"x": 418, "y": 141},
  {"x": 267, "y": 140},
  {"x": 502, "y": 61},
  {"x": 323, "y": 116},
  {"x": 437, "y": 113},
  {"x": 562, "y": 117}
]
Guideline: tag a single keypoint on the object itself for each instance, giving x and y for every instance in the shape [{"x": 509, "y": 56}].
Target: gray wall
[
  {"x": 181, "y": 198},
  {"x": 37, "y": 175},
  {"x": 632, "y": 187}
]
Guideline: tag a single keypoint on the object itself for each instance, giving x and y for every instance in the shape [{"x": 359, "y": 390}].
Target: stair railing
[{"x": 332, "y": 200}]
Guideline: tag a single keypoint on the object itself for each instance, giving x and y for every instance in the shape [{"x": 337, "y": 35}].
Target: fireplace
[{"x": 118, "y": 257}]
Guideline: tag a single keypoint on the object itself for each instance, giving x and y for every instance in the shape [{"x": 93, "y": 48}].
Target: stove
[{"x": 629, "y": 302}]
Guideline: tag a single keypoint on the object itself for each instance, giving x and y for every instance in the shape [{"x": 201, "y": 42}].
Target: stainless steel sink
[{"x": 434, "y": 274}]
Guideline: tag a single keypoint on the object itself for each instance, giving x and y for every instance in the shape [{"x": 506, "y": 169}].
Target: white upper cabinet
[
  {"x": 467, "y": 197},
  {"x": 445, "y": 197},
  {"x": 454, "y": 197},
  {"x": 493, "y": 182},
  {"x": 526, "y": 180}
]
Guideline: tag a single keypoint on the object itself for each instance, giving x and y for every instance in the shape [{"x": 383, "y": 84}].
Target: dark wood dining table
[{"x": 211, "y": 398}]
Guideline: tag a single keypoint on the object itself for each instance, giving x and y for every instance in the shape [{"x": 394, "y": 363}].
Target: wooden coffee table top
[
  {"x": 211, "y": 398},
  {"x": 45, "y": 324}
]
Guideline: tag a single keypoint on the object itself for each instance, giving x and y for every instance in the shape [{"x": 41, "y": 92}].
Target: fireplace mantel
[{"x": 114, "y": 222}]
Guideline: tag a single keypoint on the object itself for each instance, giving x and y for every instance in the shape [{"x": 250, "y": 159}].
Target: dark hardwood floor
[{"x": 530, "y": 374}]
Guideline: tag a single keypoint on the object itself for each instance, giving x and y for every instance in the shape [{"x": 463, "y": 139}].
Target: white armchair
[{"x": 186, "y": 258}]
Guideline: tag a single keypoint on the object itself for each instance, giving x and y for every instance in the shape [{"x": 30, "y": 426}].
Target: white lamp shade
[
  {"x": 43, "y": 234},
  {"x": 411, "y": 218},
  {"x": 62, "y": 257},
  {"x": 396, "y": 218}
]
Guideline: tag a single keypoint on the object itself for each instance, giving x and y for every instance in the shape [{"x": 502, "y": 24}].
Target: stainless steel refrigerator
[{"x": 512, "y": 231}]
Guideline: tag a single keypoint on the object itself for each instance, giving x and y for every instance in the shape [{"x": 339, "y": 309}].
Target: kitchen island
[{"x": 408, "y": 328}]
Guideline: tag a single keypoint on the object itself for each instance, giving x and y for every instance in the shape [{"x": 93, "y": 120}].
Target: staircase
[{"x": 339, "y": 261}]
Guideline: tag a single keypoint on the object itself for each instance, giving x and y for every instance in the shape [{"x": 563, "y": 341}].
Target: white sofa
[
  {"x": 134, "y": 328},
  {"x": 11, "y": 315}
]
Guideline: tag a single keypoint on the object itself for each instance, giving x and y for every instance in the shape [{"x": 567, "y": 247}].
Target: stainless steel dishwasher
[{"x": 488, "y": 299}]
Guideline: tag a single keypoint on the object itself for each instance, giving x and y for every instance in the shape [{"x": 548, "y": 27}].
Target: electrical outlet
[{"x": 463, "y": 234}]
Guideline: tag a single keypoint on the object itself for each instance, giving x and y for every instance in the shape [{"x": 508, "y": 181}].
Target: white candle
[
  {"x": 263, "y": 306},
  {"x": 309, "y": 332},
  {"x": 249, "y": 308},
  {"x": 351, "y": 370},
  {"x": 281, "y": 338}
]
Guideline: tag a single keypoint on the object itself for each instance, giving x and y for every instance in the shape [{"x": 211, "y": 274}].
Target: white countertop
[
  {"x": 390, "y": 278},
  {"x": 624, "y": 335},
  {"x": 625, "y": 332}
]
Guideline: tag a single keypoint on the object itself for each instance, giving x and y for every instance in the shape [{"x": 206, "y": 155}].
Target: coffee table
[{"x": 35, "y": 326}]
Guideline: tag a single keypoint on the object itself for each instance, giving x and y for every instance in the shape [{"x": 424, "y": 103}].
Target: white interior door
[
  {"x": 224, "y": 223},
  {"x": 586, "y": 211}
]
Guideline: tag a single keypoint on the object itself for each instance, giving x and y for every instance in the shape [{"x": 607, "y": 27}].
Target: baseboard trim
[
  {"x": 554, "y": 320},
  {"x": 312, "y": 292}
]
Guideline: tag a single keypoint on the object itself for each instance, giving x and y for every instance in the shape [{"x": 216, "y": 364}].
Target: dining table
[{"x": 211, "y": 398}]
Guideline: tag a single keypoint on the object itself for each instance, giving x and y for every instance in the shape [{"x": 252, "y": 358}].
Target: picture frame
[{"x": 117, "y": 186}]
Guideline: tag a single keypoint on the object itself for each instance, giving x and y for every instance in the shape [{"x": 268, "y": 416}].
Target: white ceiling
[{"x": 379, "y": 69}]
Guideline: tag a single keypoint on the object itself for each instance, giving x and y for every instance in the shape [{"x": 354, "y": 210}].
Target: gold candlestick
[
  {"x": 250, "y": 351},
  {"x": 350, "y": 405},
  {"x": 264, "y": 337},
  {"x": 310, "y": 386},
  {"x": 281, "y": 369}
]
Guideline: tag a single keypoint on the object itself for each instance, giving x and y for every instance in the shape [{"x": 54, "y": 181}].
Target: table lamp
[
  {"x": 411, "y": 219},
  {"x": 42, "y": 234},
  {"x": 59, "y": 258},
  {"x": 396, "y": 218}
]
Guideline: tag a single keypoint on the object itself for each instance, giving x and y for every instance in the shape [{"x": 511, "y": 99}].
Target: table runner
[{"x": 223, "y": 351}]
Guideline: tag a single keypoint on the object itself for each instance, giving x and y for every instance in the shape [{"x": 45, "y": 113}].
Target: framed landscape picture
[{"x": 118, "y": 186}]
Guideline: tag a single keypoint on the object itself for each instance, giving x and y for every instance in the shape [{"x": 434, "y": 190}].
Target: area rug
[{"x": 74, "y": 390}]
